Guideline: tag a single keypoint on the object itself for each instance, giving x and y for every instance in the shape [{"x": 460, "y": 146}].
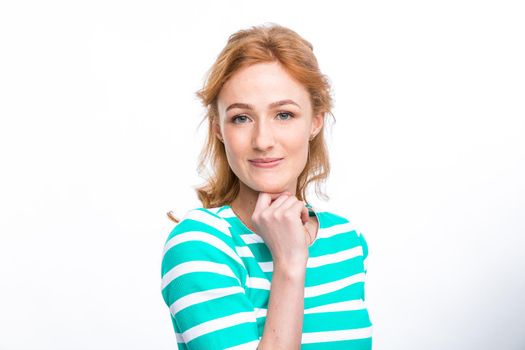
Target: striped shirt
[{"x": 216, "y": 278}]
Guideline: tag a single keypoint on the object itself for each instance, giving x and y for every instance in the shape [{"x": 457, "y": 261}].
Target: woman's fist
[{"x": 282, "y": 225}]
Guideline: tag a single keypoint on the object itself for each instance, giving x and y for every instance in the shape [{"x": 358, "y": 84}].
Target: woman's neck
[{"x": 244, "y": 204}]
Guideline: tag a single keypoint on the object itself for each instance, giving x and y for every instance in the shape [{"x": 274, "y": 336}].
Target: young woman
[{"x": 258, "y": 267}]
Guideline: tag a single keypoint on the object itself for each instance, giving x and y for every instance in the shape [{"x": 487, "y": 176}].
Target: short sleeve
[
  {"x": 202, "y": 284},
  {"x": 364, "y": 246}
]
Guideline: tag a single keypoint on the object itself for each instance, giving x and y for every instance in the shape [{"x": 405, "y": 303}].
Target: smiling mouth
[{"x": 265, "y": 162}]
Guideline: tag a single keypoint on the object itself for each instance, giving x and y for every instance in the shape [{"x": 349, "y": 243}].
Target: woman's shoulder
[
  {"x": 336, "y": 219},
  {"x": 332, "y": 216},
  {"x": 200, "y": 240},
  {"x": 335, "y": 222},
  {"x": 203, "y": 220},
  {"x": 201, "y": 213}
]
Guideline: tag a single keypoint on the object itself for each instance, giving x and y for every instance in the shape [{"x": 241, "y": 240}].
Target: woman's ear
[
  {"x": 317, "y": 124},
  {"x": 217, "y": 131}
]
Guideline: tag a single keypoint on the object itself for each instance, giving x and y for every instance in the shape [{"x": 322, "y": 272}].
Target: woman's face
[{"x": 265, "y": 114}]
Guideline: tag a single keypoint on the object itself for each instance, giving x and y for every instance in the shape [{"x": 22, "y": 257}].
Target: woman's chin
[
  {"x": 274, "y": 191},
  {"x": 272, "y": 187}
]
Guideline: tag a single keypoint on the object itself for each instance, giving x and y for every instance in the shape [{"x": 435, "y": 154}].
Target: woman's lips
[{"x": 266, "y": 162}]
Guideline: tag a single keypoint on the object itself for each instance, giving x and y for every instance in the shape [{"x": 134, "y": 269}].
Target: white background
[{"x": 99, "y": 138}]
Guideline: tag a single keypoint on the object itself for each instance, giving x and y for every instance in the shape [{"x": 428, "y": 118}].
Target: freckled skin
[{"x": 265, "y": 132}]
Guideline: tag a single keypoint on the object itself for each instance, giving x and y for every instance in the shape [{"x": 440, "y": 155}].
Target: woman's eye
[
  {"x": 290, "y": 115},
  {"x": 241, "y": 118}
]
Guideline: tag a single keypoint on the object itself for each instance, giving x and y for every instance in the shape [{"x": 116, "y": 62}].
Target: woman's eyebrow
[{"x": 271, "y": 105}]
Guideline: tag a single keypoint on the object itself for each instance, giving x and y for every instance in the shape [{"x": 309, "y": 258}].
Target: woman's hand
[{"x": 282, "y": 225}]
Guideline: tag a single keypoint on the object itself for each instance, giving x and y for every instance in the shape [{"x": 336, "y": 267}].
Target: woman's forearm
[{"x": 284, "y": 317}]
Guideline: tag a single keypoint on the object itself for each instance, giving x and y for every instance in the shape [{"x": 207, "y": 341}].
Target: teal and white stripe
[{"x": 216, "y": 280}]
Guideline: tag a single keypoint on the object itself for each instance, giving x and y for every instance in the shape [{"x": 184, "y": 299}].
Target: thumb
[{"x": 304, "y": 215}]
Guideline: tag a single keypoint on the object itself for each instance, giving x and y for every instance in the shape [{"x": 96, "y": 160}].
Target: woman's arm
[
  {"x": 202, "y": 284},
  {"x": 282, "y": 225},
  {"x": 284, "y": 318}
]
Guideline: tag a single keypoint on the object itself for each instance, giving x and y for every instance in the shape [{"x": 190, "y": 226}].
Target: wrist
[{"x": 290, "y": 268}]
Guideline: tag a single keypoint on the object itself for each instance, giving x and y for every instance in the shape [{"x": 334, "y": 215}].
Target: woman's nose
[{"x": 263, "y": 136}]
